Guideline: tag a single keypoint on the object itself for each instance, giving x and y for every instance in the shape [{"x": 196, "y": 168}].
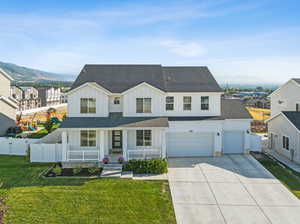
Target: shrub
[{"x": 153, "y": 166}]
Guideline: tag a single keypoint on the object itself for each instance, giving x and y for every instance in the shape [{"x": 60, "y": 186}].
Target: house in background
[
  {"x": 27, "y": 97},
  {"x": 49, "y": 96},
  {"x": 8, "y": 106},
  {"x": 284, "y": 124},
  {"x": 148, "y": 111}
]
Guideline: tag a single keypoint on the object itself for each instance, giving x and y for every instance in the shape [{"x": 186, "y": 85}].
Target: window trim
[
  {"x": 204, "y": 104},
  {"x": 185, "y": 104},
  {"x": 170, "y": 104},
  {"x": 286, "y": 144},
  {"x": 88, "y": 138},
  {"x": 143, "y": 140},
  {"x": 143, "y": 105},
  {"x": 88, "y": 110}
]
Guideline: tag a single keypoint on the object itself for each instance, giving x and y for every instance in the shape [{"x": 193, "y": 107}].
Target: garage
[
  {"x": 186, "y": 144},
  {"x": 233, "y": 142}
]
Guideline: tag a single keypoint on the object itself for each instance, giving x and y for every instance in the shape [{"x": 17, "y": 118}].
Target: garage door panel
[
  {"x": 189, "y": 144},
  {"x": 233, "y": 142}
]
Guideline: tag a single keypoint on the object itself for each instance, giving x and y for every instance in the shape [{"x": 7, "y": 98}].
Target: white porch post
[
  {"x": 163, "y": 144},
  {"x": 102, "y": 144},
  {"x": 64, "y": 140},
  {"x": 124, "y": 143}
]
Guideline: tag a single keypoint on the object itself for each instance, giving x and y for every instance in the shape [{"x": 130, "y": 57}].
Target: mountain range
[{"x": 20, "y": 73}]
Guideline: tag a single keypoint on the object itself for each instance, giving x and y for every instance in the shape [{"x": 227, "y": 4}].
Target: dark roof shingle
[
  {"x": 234, "y": 109},
  {"x": 294, "y": 117},
  {"x": 297, "y": 80},
  {"x": 118, "y": 78}
]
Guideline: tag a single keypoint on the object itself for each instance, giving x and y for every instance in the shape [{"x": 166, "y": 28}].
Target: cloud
[{"x": 183, "y": 48}]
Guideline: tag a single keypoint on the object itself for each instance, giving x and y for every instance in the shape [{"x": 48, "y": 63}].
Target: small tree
[{"x": 48, "y": 125}]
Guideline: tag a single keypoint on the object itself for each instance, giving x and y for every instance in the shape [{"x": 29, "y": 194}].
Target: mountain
[{"x": 20, "y": 73}]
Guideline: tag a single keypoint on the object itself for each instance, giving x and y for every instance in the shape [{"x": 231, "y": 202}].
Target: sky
[{"x": 241, "y": 41}]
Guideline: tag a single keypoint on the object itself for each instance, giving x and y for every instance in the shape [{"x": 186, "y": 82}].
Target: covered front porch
[{"x": 94, "y": 144}]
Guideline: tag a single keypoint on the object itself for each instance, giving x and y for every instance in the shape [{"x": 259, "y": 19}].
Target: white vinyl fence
[
  {"x": 255, "y": 143},
  {"x": 15, "y": 146},
  {"x": 44, "y": 153}
]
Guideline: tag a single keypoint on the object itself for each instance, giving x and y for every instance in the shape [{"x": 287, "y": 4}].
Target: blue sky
[{"x": 242, "y": 41}]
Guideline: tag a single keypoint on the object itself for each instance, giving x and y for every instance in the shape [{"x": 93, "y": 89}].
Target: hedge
[{"x": 153, "y": 166}]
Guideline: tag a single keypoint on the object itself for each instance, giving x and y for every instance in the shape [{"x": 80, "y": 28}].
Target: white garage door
[
  {"x": 233, "y": 142},
  {"x": 186, "y": 144}
]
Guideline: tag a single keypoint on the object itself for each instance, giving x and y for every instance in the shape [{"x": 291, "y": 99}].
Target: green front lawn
[
  {"x": 30, "y": 199},
  {"x": 288, "y": 177}
]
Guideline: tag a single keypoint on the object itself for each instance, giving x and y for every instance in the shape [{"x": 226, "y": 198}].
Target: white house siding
[
  {"x": 279, "y": 127},
  {"x": 7, "y": 117},
  {"x": 156, "y": 139},
  {"x": 238, "y": 126},
  {"x": 289, "y": 95},
  {"x": 87, "y": 92},
  {"x": 115, "y": 107},
  {"x": 4, "y": 86}
]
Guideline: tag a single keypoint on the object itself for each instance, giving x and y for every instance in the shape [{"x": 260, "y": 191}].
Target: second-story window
[
  {"x": 88, "y": 105},
  {"x": 187, "y": 103},
  {"x": 117, "y": 100},
  {"x": 204, "y": 103},
  {"x": 170, "y": 103},
  {"x": 143, "y": 105}
]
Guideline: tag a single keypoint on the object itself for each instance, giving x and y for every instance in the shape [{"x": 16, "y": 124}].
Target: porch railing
[
  {"x": 83, "y": 155},
  {"x": 143, "y": 154}
]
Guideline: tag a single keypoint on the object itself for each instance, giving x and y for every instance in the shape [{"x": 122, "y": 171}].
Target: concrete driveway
[{"x": 232, "y": 189}]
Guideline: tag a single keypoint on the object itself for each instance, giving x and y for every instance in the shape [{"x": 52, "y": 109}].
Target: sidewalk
[{"x": 284, "y": 160}]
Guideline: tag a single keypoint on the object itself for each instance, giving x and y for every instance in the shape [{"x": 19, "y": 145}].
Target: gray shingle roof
[
  {"x": 297, "y": 80},
  {"x": 118, "y": 78},
  {"x": 114, "y": 120},
  {"x": 294, "y": 118},
  {"x": 234, "y": 109}
]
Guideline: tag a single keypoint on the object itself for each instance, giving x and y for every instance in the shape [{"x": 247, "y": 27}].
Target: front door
[{"x": 117, "y": 139}]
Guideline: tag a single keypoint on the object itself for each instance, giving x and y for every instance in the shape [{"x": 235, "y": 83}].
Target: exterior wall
[
  {"x": 87, "y": 92},
  {"x": 156, "y": 140},
  {"x": 16, "y": 93},
  {"x": 279, "y": 127},
  {"x": 289, "y": 95},
  {"x": 158, "y": 103},
  {"x": 7, "y": 117},
  {"x": 4, "y": 86},
  {"x": 115, "y": 107}
]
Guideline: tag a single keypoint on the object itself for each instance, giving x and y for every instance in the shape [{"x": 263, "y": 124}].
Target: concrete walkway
[
  {"x": 283, "y": 160},
  {"x": 234, "y": 189}
]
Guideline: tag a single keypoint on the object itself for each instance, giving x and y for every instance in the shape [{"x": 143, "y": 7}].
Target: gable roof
[
  {"x": 296, "y": 80},
  {"x": 5, "y": 74},
  {"x": 119, "y": 78},
  {"x": 293, "y": 80},
  {"x": 234, "y": 109},
  {"x": 293, "y": 117}
]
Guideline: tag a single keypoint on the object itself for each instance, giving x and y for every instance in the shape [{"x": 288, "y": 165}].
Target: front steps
[{"x": 114, "y": 170}]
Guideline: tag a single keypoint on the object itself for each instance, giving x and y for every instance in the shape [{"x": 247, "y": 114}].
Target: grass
[
  {"x": 288, "y": 177},
  {"x": 30, "y": 199}
]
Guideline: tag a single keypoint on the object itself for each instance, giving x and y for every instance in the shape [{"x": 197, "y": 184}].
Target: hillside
[{"x": 20, "y": 73}]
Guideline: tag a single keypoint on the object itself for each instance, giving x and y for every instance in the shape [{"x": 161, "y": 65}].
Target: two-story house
[
  {"x": 8, "y": 107},
  {"x": 145, "y": 111},
  {"x": 284, "y": 124},
  {"x": 49, "y": 96},
  {"x": 27, "y": 97}
]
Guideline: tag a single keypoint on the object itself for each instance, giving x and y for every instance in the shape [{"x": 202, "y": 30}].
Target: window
[
  {"x": 204, "y": 103},
  {"x": 143, "y": 105},
  {"x": 117, "y": 100},
  {"x": 297, "y": 107},
  {"x": 88, "y": 138},
  {"x": 187, "y": 103},
  {"x": 143, "y": 138},
  {"x": 170, "y": 103},
  {"x": 87, "y": 105},
  {"x": 286, "y": 143}
]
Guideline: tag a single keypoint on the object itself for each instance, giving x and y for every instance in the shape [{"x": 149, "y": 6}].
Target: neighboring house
[
  {"x": 8, "y": 107},
  {"x": 64, "y": 98},
  {"x": 145, "y": 111},
  {"x": 257, "y": 102},
  {"x": 284, "y": 124},
  {"x": 50, "y": 96},
  {"x": 27, "y": 97}
]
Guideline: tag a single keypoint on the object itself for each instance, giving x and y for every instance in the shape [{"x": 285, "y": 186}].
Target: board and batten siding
[
  {"x": 158, "y": 103},
  {"x": 280, "y": 126},
  {"x": 115, "y": 107},
  {"x": 87, "y": 92},
  {"x": 4, "y": 85}
]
